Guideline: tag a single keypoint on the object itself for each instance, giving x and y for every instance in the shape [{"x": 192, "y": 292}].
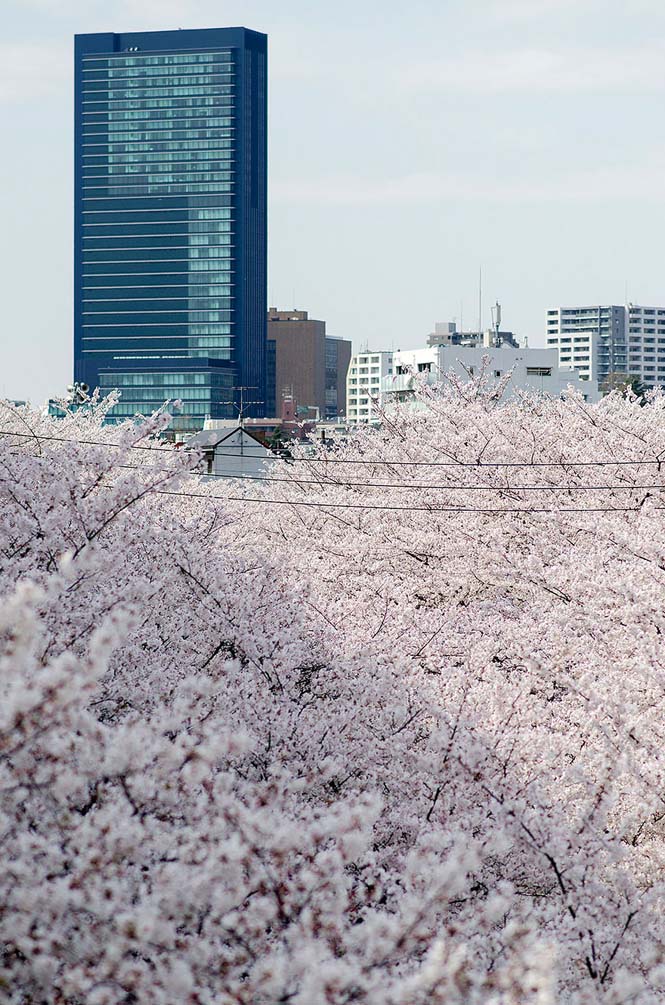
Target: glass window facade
[{"x": 170, "y": 218}]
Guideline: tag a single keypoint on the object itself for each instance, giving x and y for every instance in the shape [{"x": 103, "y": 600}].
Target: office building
[
  {"x": 309, "y": 366},
  {"x": 170, "y": 219},
  {"x": 338, "y": 358}
]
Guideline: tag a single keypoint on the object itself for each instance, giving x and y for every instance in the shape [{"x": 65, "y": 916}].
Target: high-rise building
[
  {"x": 610, "y": 339},
  {"x": 591, "y": 339},
  {"x": 170, "y": 219},
  {"x": 646, "y": 344},
  {"x": 310, "y": 366}
]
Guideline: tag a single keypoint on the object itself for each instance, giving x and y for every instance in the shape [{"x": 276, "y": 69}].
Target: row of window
[
  {"x": 163, "y": 328},
  {"x": 195, "y": 304},
  {"x": 121, "y": 97},
  {"x": 121, "y": 74},
  {"x": 180, "y": 215},
  {"x": 178, "y": 239},
  {"x": 196, "y": 75},
  {"x": 149, "y": 227},
  {"x": 151, "y": 188},
  {"x": 155, "y": 274},
  {"x": 179, "y": 242},
  {"x": 127, "y": 410},
  {"x": 192, "y": 260},
  {"x": 189, "y": 182},
  {"x": 120, "y": 109},
  {"x": 220, "y": 166},
  {"x": 155, "y": 316},
  {"x": 181, "y": 162},
  {"x": 184, "y": 289},
  {"x": 153, "y": 139},
  {"x": 121, "y": 121},
  {"x": 208, "y": 139},
  {"x": 118, "y": 122},
  {"x": 170, "y": 59},
  {"x": 114, "y": 203},
  {"x": 201, "y": 151},
  {"x": 196, "y": 299},
  {"x": 113, "y": 343}
]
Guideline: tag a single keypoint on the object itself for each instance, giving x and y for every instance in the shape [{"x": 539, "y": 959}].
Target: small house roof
[{"x": 207, "y": 439}]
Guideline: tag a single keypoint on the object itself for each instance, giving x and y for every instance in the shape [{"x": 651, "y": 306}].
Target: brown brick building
[{"x": 309, "y": 365}]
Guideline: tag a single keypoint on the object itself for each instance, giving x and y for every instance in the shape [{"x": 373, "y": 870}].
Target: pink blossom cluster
[{"x": 388, "y": 731}]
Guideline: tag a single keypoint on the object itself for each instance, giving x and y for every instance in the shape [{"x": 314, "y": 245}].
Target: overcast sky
[{"x": 410, "y": 144}]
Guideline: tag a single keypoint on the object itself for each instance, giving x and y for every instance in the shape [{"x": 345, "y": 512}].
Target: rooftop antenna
[
  {"x": 496, "y": 321},
  {"x": 243, "y": 402},
  {"x": 480, "y": 300}
]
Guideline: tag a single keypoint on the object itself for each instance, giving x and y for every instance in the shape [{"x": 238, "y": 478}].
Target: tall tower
[{"x": 170, "y": 219}]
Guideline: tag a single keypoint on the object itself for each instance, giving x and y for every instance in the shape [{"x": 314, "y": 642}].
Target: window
[{"x": 537, "y": 371}]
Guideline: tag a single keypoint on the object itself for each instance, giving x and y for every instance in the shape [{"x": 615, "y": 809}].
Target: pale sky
[{"x": 410, "y": 144}]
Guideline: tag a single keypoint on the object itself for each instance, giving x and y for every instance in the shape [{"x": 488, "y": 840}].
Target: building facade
[
  {"x": 532, "y": 370},
  {"x": 590, "y": 339},
  {"x": 309, "y": 366},
  {"x": 646, "y": 344},
  {"x": 170, "y": 219},
  {"x": 446, "y": 333},
  {"x": 367, "y": 371},
  {"x": 338, "y": 359}
]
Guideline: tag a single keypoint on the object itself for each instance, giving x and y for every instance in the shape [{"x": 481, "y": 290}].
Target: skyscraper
[{"x": 170, "y": 219}]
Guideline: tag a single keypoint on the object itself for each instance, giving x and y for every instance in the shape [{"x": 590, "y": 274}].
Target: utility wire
[
  {"x": 461, "y": 464},
  {"x": 404, "y": 509},
  {"x": 390, "y": 485},
  {"x": 87, "y": 443},
  {"x": 340, "y": 460},
  {"x": 405, "y": 485}
]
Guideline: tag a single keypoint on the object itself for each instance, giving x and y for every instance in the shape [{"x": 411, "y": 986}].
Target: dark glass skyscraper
[{"x": 170, "y": 219}]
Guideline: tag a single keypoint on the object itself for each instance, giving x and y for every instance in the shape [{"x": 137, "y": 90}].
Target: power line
[
  {"x": 391, "y": 485},
  {"x": 461, "y": 464},
  {"x": 87, "y": 443},
  {"x": 424, "y": 485},
  {"x": 404, "y": 509},
  {"x": 397, "y": 485},
  {"x": 340, "y": 460}
]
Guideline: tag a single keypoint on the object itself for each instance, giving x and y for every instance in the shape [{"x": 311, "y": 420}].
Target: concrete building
[
  {"x": 602, "y": 340},
  {"x": 446, "y": 333},
  {"x": 367, "y": 370},
  {"x": 590, "y": 339},
  {"x": 309, "y": 365},
  {"x": 534, "y": 370},
  {"x": 646, "y": 344}
]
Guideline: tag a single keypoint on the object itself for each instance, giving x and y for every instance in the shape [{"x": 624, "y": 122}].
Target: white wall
[{"x": 524, "y": 364}]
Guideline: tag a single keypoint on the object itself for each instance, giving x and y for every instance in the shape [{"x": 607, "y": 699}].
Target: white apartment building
[
  {"x": 646, "y": 344},
  {"x": 606, "y": 339},
  {"x": 366, "y": 372},
  {"x": 533, "y": 370}
]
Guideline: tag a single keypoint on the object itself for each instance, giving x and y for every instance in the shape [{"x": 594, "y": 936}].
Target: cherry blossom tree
[{"x": 387, "y": 731}]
